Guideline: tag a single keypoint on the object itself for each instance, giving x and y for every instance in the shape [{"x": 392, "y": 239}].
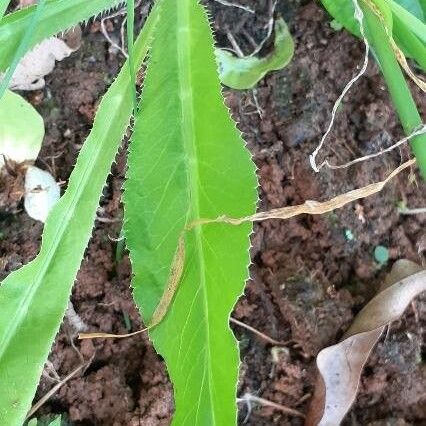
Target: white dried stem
[
  {"x": 419, "y": 131},
  {"x": 239, "y": 6},
  {"x": 359, "y": 16}
]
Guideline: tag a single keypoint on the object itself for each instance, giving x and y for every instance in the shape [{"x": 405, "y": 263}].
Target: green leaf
[
  {"x": 45, "y": 422},
  {"x": 21, "y": 129},
  {"x": 343, "y": 11},
  {"x": 187, "y": 161},
  {"x": 34, "y": 298},
  {"x": 403, "y": 16},
  {"x": 58, "y": 15},
  {"x": 414, "y": 7},
  {"x": 244, "y": 73},
  {"x": 3, "y": 6},
  {"x": 411, "y": 22},
  {"x": 397, "y": 85},
  {"x": 56, "y": 422},
  {"x": 409, "y": 43}
]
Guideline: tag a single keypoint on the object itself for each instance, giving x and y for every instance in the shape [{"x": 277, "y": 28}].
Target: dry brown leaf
[
  {"x": 165, "y": 301},
  {"x": 310, "y": 206},
  {"x": 40, "y": 61},
  {"x": 37, "y": 63},
  {"x": 340, "y": 366}
]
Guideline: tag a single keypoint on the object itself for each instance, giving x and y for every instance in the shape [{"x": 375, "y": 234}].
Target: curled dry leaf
[
  {"x": 40, "y": 61},
  {"x": 244, "y": 73},
  {"x": 310, "y": 206},
  {"x": 340, "y": 366}
]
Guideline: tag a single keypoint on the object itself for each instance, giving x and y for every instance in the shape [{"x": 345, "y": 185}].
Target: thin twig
[
  {"x": 235, "y": 46},
  {"x": 421, "y": 210},
  {"x": 249, "y": 398},
  {"x": 259, "y": 110},
  {"x": 303, "y": 399},
  {"x": 120, "y": 12},
  {"x": 109, "y": 39},
  {"x": 270, "y": 27},
  {"x": 84, "y": 336},
  {"x": 55, "y": 389},
  {"x": 258, "y": 333},
  {"x": 239, "y": 6}
]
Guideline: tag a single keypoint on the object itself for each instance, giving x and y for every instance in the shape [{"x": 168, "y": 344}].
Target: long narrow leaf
[
  {"x": 411, "y": 22},
  {"x": 410, "y": 44},
  {"x": 187, "y": 161},
  {"x": 343, "y": 11},
  {"x": 397, "y": 85},
  {"x": 415, "y": 7},
  {"x": 33, "y": 299},
  {"x": 58, "y": 15}
]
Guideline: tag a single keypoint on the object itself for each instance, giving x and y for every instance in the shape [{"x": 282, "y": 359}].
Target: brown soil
[{"x": 308, "y": 278}]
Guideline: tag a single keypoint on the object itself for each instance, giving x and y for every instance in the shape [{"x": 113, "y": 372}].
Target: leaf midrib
[{"x": 183, "y": 38}]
